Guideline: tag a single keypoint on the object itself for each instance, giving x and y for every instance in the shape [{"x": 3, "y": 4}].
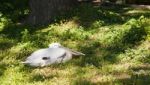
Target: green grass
[{"x": 116, "y": 41}]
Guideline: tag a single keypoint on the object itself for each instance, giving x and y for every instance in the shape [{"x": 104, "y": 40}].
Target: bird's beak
[
  {"x": 25, "y": 62},
  {"x": 73, "y": 51}
]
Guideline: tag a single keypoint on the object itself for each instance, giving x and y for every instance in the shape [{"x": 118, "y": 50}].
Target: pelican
[{"x": 56, "y": 53}]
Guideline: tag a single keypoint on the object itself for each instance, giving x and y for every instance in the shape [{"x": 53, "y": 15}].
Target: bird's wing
[{"x": 48, "y": 52}]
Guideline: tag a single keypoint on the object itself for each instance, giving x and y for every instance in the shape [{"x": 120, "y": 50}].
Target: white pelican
[{"x": 56, "y": 53}]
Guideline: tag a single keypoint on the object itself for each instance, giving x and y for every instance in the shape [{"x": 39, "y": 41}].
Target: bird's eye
[{"x": 45, "y": 58}]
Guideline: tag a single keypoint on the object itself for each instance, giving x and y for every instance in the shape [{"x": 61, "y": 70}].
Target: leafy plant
[{"x": 25, "y": 35}]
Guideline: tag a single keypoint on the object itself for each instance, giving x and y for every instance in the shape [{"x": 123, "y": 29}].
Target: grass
[{"x": 116, "y": 41}]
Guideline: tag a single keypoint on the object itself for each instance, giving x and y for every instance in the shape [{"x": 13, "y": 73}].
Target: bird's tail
[{"x": 25, "y": 62}]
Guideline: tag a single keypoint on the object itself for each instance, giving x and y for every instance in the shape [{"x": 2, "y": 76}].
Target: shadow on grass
[
  {"x": 88, "y": 82},
  {"x": 97, "y": 55},
  {"x": 85, "y": 15},
  {"x": 83, "y": 82},
  {"x": 13, "y": 31},
  {"x": 3, "y": 67},
  {"x": 136, "y": 15},
  {"x": 123, "y": 10},
  {"x": 16, "y": 32},
  {"x": 141, "y": 67},
  {"x": 36, "y": 77},
  {"x": 137, "y": 77},
  {"x": 94, "y": 49},
  {"x": 14, "y": 10},
  {"x": 134, "y": 80},
  {"x": 41, "y": 78},
  {"x": 5, "y": 45}
]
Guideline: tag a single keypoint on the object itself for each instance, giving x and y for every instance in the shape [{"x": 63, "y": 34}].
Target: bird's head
[{"x": 54, "y": 45}]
